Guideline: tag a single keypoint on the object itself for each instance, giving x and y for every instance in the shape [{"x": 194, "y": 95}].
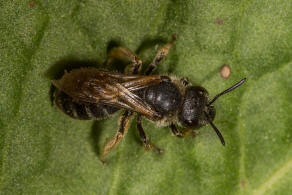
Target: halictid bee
[{"x": 90, "y": 93}]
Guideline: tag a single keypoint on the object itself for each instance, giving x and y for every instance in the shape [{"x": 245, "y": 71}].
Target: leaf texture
[{"x": 42, "y": 151}]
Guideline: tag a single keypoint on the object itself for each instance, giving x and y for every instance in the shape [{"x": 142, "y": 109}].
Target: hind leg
[
  {"x": 122, "y": 130},
  {"x": 124, "y": 54}
]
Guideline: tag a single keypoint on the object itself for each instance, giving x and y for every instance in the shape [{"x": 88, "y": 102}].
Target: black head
[
  {"x": 197, "y": 110},
  {"x": 194, "y": 106}
]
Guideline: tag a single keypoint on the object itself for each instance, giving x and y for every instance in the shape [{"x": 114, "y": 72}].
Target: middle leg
[
  {"x": 146, "y": 143},
  {"x": 161, "y": 54},
  {"x": 126, "y": 55}
]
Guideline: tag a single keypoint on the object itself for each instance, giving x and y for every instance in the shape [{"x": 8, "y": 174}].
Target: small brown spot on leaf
[
  {"x": 242, "y": 183},
  {"x": 225, "y": 71},
  {"x": 31, "y": 4},
  {"x": 219, "y": 21}
]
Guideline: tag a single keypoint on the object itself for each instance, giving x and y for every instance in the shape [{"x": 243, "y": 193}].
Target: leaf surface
[{"x": 43, "y": 151}]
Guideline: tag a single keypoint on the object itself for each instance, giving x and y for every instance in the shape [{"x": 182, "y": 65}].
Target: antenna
[
  {"x": 215, "y": 129},
  {"x": 218, "y": 133},
  {"x": 226, "y": 91}
]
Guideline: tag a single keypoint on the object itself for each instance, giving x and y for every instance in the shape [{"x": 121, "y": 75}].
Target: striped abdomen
[{"x": 82, "y": 111}]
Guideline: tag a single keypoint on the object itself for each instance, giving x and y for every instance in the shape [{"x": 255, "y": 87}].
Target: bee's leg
[
  {"x": 161, "y": 54},
  {"x": 146, "y": 143},
  {"x": 114, "y": 142},
  {"x": 180, "y": 134},
  {"x": 185, "y": 81},
  {"x": 125, "y": 55},
  {"x": 175, "y": 131}
]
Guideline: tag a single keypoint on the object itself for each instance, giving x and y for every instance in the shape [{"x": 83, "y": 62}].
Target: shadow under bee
[
  {"x": 95, "y": 136},
  {"x": 68, "y": 63}
]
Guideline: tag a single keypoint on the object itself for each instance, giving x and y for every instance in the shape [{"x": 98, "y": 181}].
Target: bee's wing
[
  {"x": 126, "y": 99},
  {"x": 114, "y": 89}
]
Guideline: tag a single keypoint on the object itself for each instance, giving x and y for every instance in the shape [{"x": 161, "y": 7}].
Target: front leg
[
  {"x": 181, "y": 134},
  {"x": 175, "y": 131}
]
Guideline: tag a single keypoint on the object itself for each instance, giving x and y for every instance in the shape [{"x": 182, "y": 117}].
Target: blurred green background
[{"x": 42, "y": 151}]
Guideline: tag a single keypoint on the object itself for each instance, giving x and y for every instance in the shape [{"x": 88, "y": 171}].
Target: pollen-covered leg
[
  {"x": 161, "y": 54},
  {"x": 126, "y": 55},
  {"x": 181, "y": 134},
  {"x": 114, "y": 142},
  {"x": 147, "y": 145}
]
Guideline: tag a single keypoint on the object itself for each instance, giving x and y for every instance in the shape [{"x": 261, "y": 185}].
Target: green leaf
[{"x": 43, "y": 151}]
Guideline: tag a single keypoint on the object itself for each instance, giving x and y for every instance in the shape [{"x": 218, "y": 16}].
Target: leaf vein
[{"x": 276, "y": 176}]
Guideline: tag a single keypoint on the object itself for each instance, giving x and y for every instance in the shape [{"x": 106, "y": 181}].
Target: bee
[{"x": 92, "y": 94}]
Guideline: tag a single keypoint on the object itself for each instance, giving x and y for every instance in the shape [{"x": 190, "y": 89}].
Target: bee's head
[
  {"x": 197, "y": 110},
  {"x": 194, "y": 107}
]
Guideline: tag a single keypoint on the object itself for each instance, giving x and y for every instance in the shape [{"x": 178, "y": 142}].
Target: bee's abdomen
[{"x": 81, "y": 111}]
